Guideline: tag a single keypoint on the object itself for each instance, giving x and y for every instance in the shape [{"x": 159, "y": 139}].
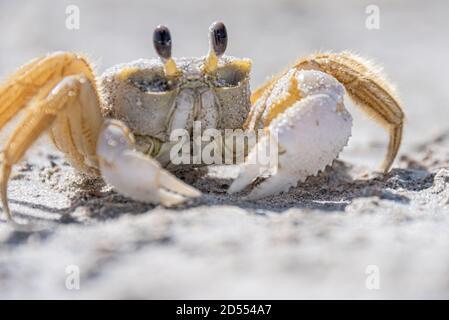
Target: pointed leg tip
[
  {"x": 235, "y": 187},
  {"x": 385, "y": 168},
  {"x": 191, "y": 191}
]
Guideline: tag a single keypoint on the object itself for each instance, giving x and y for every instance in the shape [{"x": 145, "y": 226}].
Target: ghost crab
[{"x": 116, "y": 126}]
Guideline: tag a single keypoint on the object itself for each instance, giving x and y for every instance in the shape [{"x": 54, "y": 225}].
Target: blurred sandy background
[{"x": 412, "y": 46}]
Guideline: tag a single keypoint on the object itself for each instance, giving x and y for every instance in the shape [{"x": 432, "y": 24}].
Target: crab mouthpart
[{"x": 192, "y": 105}]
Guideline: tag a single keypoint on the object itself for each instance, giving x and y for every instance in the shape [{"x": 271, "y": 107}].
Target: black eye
[
  {"x": 162, "y": 41},
  {"x": 218, "y": 37}
]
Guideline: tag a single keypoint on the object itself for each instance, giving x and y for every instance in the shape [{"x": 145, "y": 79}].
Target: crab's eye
[
  {"x": 162, "y": 42},
  {"x": 218, "y": 37}
]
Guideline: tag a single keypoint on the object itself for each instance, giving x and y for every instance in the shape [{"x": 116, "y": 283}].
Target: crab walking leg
[
  {"x": 307, "y": 119},
  {"x": 75, "y": 131},
  {"x": 21, "y": 86},
  {"x": 73, "y": 95},
  {"x": 36, "y": 79},
  {"x": 134, "y": 174}
]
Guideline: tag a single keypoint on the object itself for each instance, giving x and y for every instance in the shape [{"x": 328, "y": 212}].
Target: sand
[{"x": 323, "y": 239}]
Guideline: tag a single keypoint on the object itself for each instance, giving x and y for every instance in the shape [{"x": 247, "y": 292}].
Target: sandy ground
[{"x": 317, "y": 241}]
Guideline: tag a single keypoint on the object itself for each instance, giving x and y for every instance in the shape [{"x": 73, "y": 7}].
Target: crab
[{"x": 117, "y": 126}]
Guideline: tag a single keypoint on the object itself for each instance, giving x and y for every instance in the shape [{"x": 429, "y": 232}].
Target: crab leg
[
  {"x": 36, "y": 79},
  {"x": 73, "y": 97},
  {"x": 134, "y": 174}
]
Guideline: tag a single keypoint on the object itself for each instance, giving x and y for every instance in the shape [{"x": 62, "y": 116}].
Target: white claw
[
  {"x": 280, "y": 182},
  {"x": 310, "y": 135},
  {"x": 135, "y": 175},
  {"x": 170, "y": 182},
  {"x": 247, "y": 174}
]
